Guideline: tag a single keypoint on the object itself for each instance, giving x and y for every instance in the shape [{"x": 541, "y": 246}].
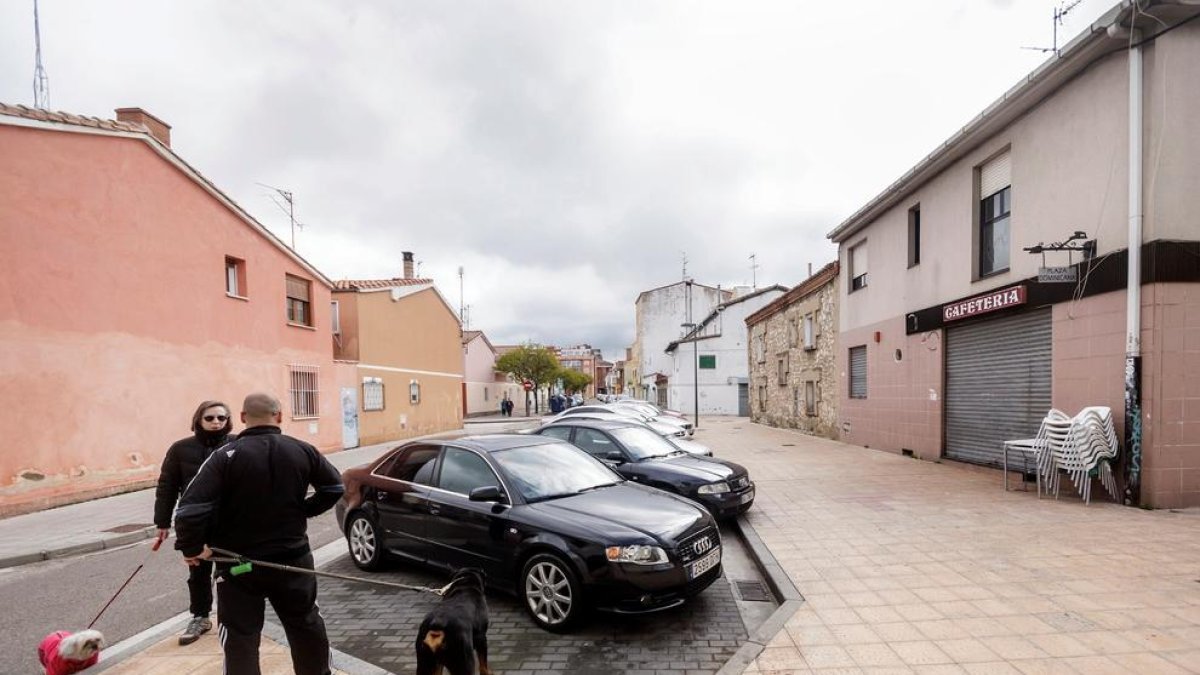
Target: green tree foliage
[
  {"x": 530, "y": 362},
  {"x": 573, "y": 380}
]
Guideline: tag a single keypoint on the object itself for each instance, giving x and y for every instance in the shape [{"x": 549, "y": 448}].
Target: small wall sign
[
  {"x": 1058, "y": 275},
  {"x": 1006, "y": 297}
]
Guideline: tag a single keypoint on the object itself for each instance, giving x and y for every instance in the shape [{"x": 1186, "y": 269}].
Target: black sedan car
[
  {"x": 541, "y": 517},
  {"x": 642, "y": 456}
]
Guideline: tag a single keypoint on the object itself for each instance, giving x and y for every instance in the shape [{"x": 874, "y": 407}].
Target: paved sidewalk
[{"x": 919, "y": 567}]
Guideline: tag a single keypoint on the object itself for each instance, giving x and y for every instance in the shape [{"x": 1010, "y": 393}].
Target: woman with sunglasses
[{"x": 211, "y": 426}]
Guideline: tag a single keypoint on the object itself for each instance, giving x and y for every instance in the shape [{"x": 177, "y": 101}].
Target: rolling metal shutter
[
  {"x": 997, "y": 384},
  {"x": 858, "y": 372}
]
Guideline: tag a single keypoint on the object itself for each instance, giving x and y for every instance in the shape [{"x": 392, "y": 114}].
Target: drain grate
[
  {"x": 752, "y": 591},
  {"x": 129, "y": 527},
  {"x": 789, "y": 445}
]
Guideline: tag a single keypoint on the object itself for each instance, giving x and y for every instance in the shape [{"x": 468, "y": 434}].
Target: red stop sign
[{"x": 527, "y": 384}]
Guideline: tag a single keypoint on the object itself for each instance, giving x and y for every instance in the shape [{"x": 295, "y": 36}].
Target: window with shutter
[
  {"x": 858, "y": 372},
  {"x": 299, "y": 304}
]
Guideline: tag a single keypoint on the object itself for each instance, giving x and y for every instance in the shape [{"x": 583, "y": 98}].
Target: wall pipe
[{"x": 1133, "y": 307}]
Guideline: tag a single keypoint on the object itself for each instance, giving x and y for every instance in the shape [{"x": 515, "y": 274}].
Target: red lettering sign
[{"x": 1007, "y": 297}]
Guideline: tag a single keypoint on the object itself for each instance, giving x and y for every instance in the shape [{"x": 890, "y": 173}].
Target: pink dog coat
[{"x": 54, "y": 663}]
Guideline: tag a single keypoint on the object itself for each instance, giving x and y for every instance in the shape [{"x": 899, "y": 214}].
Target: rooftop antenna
[
  {"x": 462, "y": 311},
  {"x": 683, "y": 254},
  {"x": 290, "y": 210},
  {"x": 41, "y": 82},
  {"x": 754, "y": 271},
  {"x": 1059, "y": 12}
]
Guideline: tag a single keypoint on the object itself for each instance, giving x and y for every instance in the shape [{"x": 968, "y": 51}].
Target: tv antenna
[
  {"x": 754, "y": 271},
  {"x": 41, "y": 82},
  {"x": 462, "y": 308},
  {"x": 683, "y": 255},
  {"x": 1059, "y": 12},
  {"x": 290, "y": 209}
]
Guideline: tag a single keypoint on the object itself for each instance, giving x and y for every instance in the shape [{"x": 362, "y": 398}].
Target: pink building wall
[
  {"x": 903, "y": 408},
  {"x": 904, "y": 405},
  {"x": 114, "y": 317}
]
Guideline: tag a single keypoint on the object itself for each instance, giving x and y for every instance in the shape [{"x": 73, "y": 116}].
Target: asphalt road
[{"x": 66, "y": 594}]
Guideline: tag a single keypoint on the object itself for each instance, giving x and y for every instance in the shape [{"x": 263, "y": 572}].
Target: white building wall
[
  {"x": 661, "y": 314},
  {"x": 717, "y": 387}
]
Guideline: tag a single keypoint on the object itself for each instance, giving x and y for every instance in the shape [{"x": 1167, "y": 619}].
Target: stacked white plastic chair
[
  {"x": 1095, "y": 441},
  {"x": 1082, "y": 445}
]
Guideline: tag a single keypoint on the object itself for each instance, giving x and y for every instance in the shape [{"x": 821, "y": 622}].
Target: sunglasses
[{"x": 215, "y": 418}]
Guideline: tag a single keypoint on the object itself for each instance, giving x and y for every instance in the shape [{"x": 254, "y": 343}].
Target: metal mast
[{"x": 41, "y": 82}]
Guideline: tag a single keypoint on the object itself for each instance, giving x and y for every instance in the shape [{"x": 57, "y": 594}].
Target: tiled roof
[
  {"x": 371, "y": 284},
  {"x": 68, "y": 118},
  {"x": 822, "y": 276}
]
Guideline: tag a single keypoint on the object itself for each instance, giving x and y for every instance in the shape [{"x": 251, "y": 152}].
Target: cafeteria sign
[{"x": 1008, "y": 297}]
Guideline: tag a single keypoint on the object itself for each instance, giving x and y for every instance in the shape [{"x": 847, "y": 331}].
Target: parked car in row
[
  {"x": 673, "y": 434},
  {"x": 626, "y": 411},
  {"x": 544, "y": 519},
  {"x": 642, "y": 456}
]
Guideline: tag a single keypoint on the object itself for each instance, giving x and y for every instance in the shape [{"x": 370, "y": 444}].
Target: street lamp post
[{"x": 691, "y": 326}]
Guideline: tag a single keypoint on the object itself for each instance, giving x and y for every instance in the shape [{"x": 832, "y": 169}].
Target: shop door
[{"x": 997, "y": 384}]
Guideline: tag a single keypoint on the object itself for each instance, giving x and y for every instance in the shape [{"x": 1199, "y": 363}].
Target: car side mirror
[
  {"x": 487, "y": 493},
  {"x": 615, "y": 456}
]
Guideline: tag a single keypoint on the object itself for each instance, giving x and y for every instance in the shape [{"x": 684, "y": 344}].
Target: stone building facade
[{"x": 792, "y": 351}]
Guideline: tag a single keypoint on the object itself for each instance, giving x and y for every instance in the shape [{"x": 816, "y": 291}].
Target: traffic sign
[{"x": 527, "y": 384}]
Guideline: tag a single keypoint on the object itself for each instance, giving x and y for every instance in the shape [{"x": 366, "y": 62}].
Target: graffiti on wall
[{"x": 1133, "y": 430}]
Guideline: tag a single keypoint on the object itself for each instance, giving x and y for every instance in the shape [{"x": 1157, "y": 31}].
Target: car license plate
[
  {"x": 705, "y": 564},
  {"x": 748, "y": 497}
]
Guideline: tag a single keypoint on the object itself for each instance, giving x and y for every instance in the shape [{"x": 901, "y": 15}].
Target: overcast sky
[{"x": 566, "y": 154}]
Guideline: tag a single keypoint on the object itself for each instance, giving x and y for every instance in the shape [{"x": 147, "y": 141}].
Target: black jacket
[
  {"x": 179, "y": 467},
  {"x": 249, "y": 497}
]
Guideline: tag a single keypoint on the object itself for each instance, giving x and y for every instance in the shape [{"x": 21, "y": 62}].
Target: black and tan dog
[{"x": 455, "y": 632}]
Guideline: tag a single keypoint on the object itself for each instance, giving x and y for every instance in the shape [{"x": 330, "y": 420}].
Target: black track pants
[
  {"x": 200, "y": 588},
  {"x": 241, "y": 602}
]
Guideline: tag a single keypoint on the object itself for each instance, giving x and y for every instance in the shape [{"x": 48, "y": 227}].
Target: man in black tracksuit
[
  {"x": 250, "y": 498},
  {"x": 211, "y": 424}
]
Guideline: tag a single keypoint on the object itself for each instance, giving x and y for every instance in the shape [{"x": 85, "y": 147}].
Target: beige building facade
[
  {"x": 406, "y": 342},
  {"x": 792, "y": 352},
  {"x": 952, "y": 339}
]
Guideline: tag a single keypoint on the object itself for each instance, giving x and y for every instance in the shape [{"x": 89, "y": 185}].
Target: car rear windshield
[{"x": 553, "y": 470}]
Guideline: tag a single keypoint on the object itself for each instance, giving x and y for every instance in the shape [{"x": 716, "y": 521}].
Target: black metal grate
[{"x": 752, "y": 591}]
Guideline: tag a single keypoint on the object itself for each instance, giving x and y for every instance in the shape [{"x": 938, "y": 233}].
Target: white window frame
[
  {"x": 810, "y": 331},
  {"x": 304, "y": 390},
  {"x": 335, "y": 317},
  {"x": 858, "y": 266},
  {"x": 373, "y": 394}
]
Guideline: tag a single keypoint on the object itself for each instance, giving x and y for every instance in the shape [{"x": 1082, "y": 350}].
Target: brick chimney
[
  {"x": 159, "y": 129},
  {"x": 408, "y": 264}
]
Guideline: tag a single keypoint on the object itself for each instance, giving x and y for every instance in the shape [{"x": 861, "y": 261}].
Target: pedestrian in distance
[
  {"x": 249, "y": 498},
  {"x": 211, "y": 427}
]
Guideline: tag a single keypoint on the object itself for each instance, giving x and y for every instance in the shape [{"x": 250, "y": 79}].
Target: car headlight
[
  {"x": 636, "y": 554},
  {"x": 714, "y": 488}
]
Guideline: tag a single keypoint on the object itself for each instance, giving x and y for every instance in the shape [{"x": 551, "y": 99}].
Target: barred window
[
  {"x": 305, "y": 391},
  {"x": 372, "y": 393}
]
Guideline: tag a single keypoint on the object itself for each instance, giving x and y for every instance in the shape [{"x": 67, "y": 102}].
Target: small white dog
[{"x": 64, "y": 653}]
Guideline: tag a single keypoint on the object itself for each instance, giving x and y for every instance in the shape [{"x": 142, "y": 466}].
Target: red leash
[{"x": 157, "y": 542}]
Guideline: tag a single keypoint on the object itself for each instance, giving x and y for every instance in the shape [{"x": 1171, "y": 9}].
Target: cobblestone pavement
[{"x": 379, "y": 625}]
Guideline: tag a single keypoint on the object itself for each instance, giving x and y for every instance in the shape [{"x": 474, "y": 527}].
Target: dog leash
[
  {"x": 157, "y": 542},
  {"x": 242, "y": 564}
]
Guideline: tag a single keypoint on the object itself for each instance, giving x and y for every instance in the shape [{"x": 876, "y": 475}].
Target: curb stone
[
  {"x": 783, "y": 588},
  {"x": 136, "y": 644},
  {"x": 102, "y": 544}
]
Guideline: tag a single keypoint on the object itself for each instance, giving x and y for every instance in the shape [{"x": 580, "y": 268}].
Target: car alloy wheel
[
  {"x": 551, "y": 593},
  {"x": 365, "y": 547}
]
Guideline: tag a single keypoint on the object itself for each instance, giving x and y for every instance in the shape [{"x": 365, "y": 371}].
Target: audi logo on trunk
[{"x": 702, "y": 546}]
